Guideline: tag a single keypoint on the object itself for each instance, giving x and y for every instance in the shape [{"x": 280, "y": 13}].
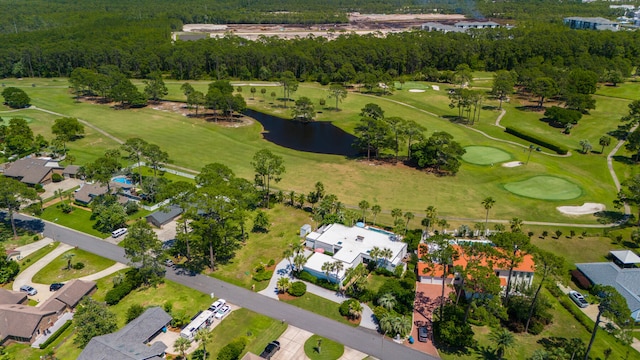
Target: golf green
[
  {"x": 8, "y": 118},
  {"x": 485, "y": 155},
  {"x": 545, "y": 188}
]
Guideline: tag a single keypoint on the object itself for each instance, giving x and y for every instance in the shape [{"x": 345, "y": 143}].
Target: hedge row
[
  {"x": 306, "y": 276},
  {"x": 56, "y": 334},
  {"x": 132, "y": 281},
  {"x": 577, "y": 313},
  {"x": 534, "y": 139}
]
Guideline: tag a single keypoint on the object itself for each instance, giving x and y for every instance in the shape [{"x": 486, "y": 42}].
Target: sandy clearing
[
  {"x": 416, "y": 90},
  {"x": 435, "y": 87},
  {"x": 511, "y": 164},
  {"x": 585, "y": 209}
]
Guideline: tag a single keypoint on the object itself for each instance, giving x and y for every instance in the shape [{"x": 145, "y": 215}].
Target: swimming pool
[
  {"x": 122, "y": 180},
  {"x": 380, "y": 231}
]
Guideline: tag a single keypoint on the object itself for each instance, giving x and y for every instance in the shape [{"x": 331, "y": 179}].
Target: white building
[{"x": 352, "y": 246}]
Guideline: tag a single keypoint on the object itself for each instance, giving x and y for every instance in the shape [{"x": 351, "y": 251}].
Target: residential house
[
  {"x": 32, "y": 171},
  {"x": 352, "y": 246},
  {"x": 623, "y": 273},
  {"x": 133, "y": 341},
  {"x": 521, "y": 274},
  {"x": 591, "y": 23},
  {"x": 71, "y": 171},
  {"x": 164, "y": 215},
  {"x": 89, "y": 191},
  {"x": 23, "y": 323}
]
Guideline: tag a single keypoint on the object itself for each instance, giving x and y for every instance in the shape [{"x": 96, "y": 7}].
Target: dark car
[
  {"x": 270, "y": 350},
  {"x": 422, "y": 334},
  {"x": 55, "y": 286}
]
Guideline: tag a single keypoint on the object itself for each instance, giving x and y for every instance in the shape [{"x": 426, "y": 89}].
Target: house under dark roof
[
  {"x": 164, "y": 216},
  {"x": 32, "y": 171},
  {"x": 12, "y": 297},
  {"x": 71, "y": 171},
  {"x": 69, "y": 295},
  {"x": 130, "y": 342}
]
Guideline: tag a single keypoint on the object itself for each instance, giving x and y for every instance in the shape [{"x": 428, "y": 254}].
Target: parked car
[
  {"x": 270, "y": 350},
  {"x": 578, "y": 299},
  {"x": 422, "y": 334},
  {"x": 217, "y": 305},
  {"x": 28, "y": 289},
  {"x": 169, "y": 263},
  {"x": 55, "y": 286},
  {"x": 223, "y": 312}
]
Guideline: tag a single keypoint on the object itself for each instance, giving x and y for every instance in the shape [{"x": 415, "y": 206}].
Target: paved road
[{"x": 364, "y": 340}]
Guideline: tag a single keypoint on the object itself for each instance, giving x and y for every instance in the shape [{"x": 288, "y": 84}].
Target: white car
[
  {"x": 217, "y": 305},
  {"x": 226, "y": 309},
  {"x": 578, "y": 299}
]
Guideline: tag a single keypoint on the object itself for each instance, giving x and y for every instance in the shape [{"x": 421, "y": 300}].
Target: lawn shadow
[
  {"x": 624, "y": 160},
  {"x": 455, "y": 119},
  {"x": 486, "y": 353},
  {"x": 532, "y": 108}
]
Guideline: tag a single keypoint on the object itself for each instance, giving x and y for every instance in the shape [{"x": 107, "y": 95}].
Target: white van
[{"x": 118, "y": 232}]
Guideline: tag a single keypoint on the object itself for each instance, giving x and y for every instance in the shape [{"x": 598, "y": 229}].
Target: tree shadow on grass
[
  {"x": 608, "y": 216},
  {"x": 624, "y": 160},
  {"x": 486, "y": 353},
  {"x": 455, "y": 119}
]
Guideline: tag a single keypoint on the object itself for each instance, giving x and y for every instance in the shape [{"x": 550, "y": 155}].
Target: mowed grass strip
[
  {"x": 79, "y": 219},
  {"x": 485, "y": 155},
  {"x": 320, "y": 306},
  {"x": 56, "y": 271},
  {"x": 545, "y": 187},
  {"x": 319, "y": 348}
]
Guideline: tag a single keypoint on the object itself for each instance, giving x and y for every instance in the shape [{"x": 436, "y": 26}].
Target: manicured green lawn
[
  {"x": 37, "y": 255},
  {"x": 319, "y": 348},
  {"x": 262, "y": 247},
  {"x": 56, "y": 271},
  {"x": 320, "y": 306},
  {"x": 354, "y": 181},
  {"x": 545, "y": 187},
  {"x": 485, "y": 155},
  {"x": 258, "y": 329},
  {"x": 78, "y": 219}
]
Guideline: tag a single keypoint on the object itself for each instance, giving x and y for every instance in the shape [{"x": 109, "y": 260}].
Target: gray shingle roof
[
  {"x": 12, "y": 297},
  {"x": 165, "y": 215},
  {"x": 71, "y": 170},
  {"x": 626, "y": 256},
  {"x": 20, "y": 320},
  {"x": 28, "y": 170},
  {"x": 129, "y": 343},
  {"x": 626, "y": 281}
]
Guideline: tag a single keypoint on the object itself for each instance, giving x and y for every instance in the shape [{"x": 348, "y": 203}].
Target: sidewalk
[
  {"x": 282, "y": 269},
  {"x": 29, "y": 249}
]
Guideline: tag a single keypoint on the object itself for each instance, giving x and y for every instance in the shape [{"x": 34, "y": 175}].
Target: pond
[{"x": 316, "y": 137}]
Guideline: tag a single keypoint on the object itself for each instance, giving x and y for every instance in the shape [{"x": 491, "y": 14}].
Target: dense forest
[{"x": 135, "y": 37}]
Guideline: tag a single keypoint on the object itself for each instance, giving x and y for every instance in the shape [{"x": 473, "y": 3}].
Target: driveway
[
  {"x": 357, "y": 338},
  {"x": 427, "y": 301},
  {"x": 292, "y": 346},
  {"x": 167, "y": 232},
  {"x": 66, "y": 184}
]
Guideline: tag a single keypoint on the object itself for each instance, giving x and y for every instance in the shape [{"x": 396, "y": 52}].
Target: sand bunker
[
  {"x": 416, "y": 90},
  {"x": 585, "y": 209},
  {"x": 511, "y": 164},
  {"x": 435, "y": 87}
]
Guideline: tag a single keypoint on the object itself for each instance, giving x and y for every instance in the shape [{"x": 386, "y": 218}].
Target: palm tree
[
  {"x": 337, "y": 266},
  {"x": 431, "y": 213},
  {"x": 386, "y": 254},
  {"x": 503, "y": 339},
  {"x": 288, "y": 254},
  {"x": 202, "y": 336},
  {"x": 444, "y": 224},
  {"x": 604, "y": 142},
  {"x": 327, "y": 267},
  {"x": 117, "y": 280},
  {"x": 299, "y": 261},
  {"x": 283, "y": 284},
  {"x": 355, "y": 309},
  {"x": 364, "y": 206},
  {"x": 386, "y": 323},
  {"x": 300, "y": 199},
  {"x": 181, "y": 345},
  {"x": 488, "y": 204},
  {"x": 516, "y": 224},
  {"x": 375, "y": 210},
  {"x": 68, "y": 256},
  {"x": 396, "y": 213},
  {"x": 375, "y": 254},
  {"x": 297, "y": 248},
  {"x": 387, "y": 301},
  {"x": 409, "y": 216}
]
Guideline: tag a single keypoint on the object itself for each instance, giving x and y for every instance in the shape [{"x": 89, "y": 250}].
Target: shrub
[
  {"x": 298, "y": 288},
  {"x": 306, "y": 276},
  {"x": 34, "y": 209},
  {"x": 132, "y": 281},
  {"x": 383, "y": 271},
  {"x": 263, "y": 275},
  {"x": 344, "y": 307},
  {"x": 131, "y": 207},
  {"x": 78, "y": 266},
  {"x": 167, "y": 307},
  {"x": 398, "y": 271},
  {"x": 232, "y": 350},
  {"x": 56, "y": 334},
  {"x": 56, "y": 177},
  {"x": 66, "y": 208},
  {"x": 534, "y": 139},
  {"x": 133, "y": 312},
  {"x": 271, "y": 262}
]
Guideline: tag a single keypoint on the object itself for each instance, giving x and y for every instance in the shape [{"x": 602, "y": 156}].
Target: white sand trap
[
  {"x": 585, "y": 209},
  {"x": 435, "y": 87},
  {"x": 511, "y": 164},
  {"x": 416, "y": 90}
]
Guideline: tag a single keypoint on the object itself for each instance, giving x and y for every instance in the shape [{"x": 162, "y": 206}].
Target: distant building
[
  {"x": 591, "y": 23},
  {"x": 32, "y": 171},
  {"x": 462, "y": 26},
  {"x": 164, "y": 216}
]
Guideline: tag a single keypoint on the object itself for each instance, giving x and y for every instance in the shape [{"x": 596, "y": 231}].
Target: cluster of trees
[
  {"x": 219, "y": 96},
  {"x": 18, "y": 139},
  {"x": 113, "y": 85},
  {"x": 15, "y": 98},
  {"x": 8, "y": 268}
]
